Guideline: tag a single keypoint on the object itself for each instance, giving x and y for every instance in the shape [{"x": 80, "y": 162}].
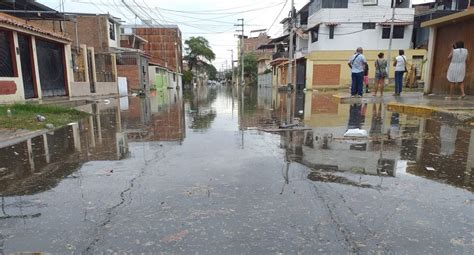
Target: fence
[
  {"x": 130, "y": 60},
  {"x": 104, "y": 68}
]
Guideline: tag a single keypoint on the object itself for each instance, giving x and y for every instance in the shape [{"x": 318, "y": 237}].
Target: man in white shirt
[
  {"x": 357, "y": 63},
  {"x": 400, "y": 65}
]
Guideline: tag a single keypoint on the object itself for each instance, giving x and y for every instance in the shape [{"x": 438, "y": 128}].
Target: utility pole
[
  {"x": 289, "y": 98},
  {"x": 290, "y": 50},
  {"x": 232, "y": 62},
  {"x": 242, "y": 81},
  {"x": 392, "y": 25}
]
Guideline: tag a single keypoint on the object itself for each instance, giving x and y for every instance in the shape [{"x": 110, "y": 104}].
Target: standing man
[{"x": 357, "y": 64}]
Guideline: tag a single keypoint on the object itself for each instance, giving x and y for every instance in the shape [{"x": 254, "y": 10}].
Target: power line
[
  {"x": 276, "y": 18},
  {"x": 235, "y": 13}
]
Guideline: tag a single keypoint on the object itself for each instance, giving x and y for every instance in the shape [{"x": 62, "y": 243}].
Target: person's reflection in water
[
  {"x": 448, "y": 136},
  {"x": 356, "y": 119},
  {"x": 355, "y": 116},
  {"x": 376, "y": 125},
  {"x": 394, "y": 126}
]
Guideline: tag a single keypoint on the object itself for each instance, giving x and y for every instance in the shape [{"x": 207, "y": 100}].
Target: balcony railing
[{"x": 278, "y": 55}]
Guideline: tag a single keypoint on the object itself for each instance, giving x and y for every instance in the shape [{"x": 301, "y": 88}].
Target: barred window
[{"x": 7, "y": 68}]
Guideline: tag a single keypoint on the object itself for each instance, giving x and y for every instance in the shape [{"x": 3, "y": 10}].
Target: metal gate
[
  {"x": 28, "y": 75},
  {"x": 51, "y": 68},
  {"x": 91, "y": 71}
]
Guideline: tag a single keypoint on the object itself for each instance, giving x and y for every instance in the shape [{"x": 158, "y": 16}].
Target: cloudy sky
[{"x": 213, "y": 19}]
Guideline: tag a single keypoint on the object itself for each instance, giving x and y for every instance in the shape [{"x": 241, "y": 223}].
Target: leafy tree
[
  {"x": 187, "y": 77},
  {"x": 211, "y": 72},
  {"x": 198, "y": 49},
  {"x": 251, "y": 67}
]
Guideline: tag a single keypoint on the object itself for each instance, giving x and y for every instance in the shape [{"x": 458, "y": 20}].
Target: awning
[
  {"x": 279, "y": 39},
  {"x": 312, "y": 27},
  {"x": 266, "y": 46},
  {"x": 395, "y": 23},
  {"x": 453, "y": 18}
]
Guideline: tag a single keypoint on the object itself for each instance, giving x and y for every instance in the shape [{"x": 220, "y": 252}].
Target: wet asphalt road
[{"x": 202, "y": 186}]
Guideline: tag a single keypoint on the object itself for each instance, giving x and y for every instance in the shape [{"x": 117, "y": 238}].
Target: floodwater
[{"x": 193, "y": 172}]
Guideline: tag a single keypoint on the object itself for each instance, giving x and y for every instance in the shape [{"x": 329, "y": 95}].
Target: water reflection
[
  {"x": 199, "y": 109},
  {"x": 159, "y": 117},
  {"x": 40, "y": 163},
  {"x": 432, "y": 149}
]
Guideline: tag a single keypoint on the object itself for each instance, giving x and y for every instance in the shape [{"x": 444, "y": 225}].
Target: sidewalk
[
  {"x": 10, "y": 137},
  {"x": 415, "y": 103}
]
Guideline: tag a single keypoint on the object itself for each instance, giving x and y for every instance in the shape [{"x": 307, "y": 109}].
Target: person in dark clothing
[{"x": 366, "y": 78}]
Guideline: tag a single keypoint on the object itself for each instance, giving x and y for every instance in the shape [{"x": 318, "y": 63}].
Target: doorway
[
  {"x": 90, "y": 68},
  {"x": 27, "y": 68}
]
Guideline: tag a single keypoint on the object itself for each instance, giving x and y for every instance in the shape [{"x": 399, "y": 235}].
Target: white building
[
  {"x": 348, "y": 24},
  {"x": 337, "y": 27}
]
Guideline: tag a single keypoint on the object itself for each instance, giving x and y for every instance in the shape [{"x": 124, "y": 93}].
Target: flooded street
[{"x": 184, "y": 172}]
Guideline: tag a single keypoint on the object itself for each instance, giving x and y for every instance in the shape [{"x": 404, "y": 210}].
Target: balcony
[{"x": 278, "y": 55}]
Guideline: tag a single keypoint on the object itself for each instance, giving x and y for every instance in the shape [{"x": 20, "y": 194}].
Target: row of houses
[
  {"x": 46, "y": 54},
  {"x": 327, "y": 33}
]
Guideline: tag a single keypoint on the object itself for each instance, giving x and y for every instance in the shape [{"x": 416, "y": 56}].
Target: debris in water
[
  {"x": 429, "y": 168},
  {"x": 40, "y": 118}
]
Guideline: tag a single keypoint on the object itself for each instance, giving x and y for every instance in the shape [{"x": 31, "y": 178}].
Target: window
[
  {"x": 112, "y": 31},
  {"x": 335, "y": 3},
  {"x": 6, "y": 57},
  {"x": 315, "y": 34},
  {"x": 174, "y": 76},
  {"x": 316, "y": 5},
  {"x": 368, "y": 25},
  {"x": 370, "y": 2},
  {"x": 398, "y": 32},
  {"x": 331, "y": 32}
]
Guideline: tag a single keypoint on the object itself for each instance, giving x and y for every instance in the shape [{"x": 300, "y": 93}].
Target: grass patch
[{"x": 23, "y": 116}]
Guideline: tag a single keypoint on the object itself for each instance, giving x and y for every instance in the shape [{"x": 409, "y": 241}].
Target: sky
[{"x": 212, "y": 19}]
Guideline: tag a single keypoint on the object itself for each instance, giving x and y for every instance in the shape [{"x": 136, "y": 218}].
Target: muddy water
[{"x": 190, "y": 173}]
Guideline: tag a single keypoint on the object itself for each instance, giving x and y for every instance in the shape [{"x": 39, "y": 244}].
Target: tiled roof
[{"x": 22, "y": 25}]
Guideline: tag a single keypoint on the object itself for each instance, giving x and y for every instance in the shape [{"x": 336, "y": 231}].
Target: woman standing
[
  {"x": 400, "y": 65},
  {"x": 457, "y": 69},
  {"x": 380, "y": 73}
]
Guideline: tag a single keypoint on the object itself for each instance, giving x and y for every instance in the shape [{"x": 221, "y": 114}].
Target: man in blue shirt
[{"x": 357, "y": 64}]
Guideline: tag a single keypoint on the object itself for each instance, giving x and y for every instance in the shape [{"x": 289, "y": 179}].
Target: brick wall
[
  {"x": 7, "y": 87},
  {"x": 133, "y": 77},
  {"x": 161, "y": 46},
  {"x": 324, "y": 75},
  {"x": 92, "y": 30}
]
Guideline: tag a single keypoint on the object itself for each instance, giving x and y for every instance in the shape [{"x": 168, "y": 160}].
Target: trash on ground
[
  {"x": 40, "y": 118},
  {"x": 429, "y": 168},
  {"x": 356, "y": 132}
]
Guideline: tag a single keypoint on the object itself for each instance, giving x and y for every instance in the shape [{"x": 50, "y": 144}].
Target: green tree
[
  {"x": 187, "y": 77},
  {"x": 251, "y": 67},
  {"x": 198, "y": 50},
  {"x": 211, "y": 72}
]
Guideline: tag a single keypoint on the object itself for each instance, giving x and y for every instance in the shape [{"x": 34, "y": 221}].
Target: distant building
[
  {"x": 337, "y": 28},
  {"x": 164, "y": 44},
  {"x": 133, "y": 62}
]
